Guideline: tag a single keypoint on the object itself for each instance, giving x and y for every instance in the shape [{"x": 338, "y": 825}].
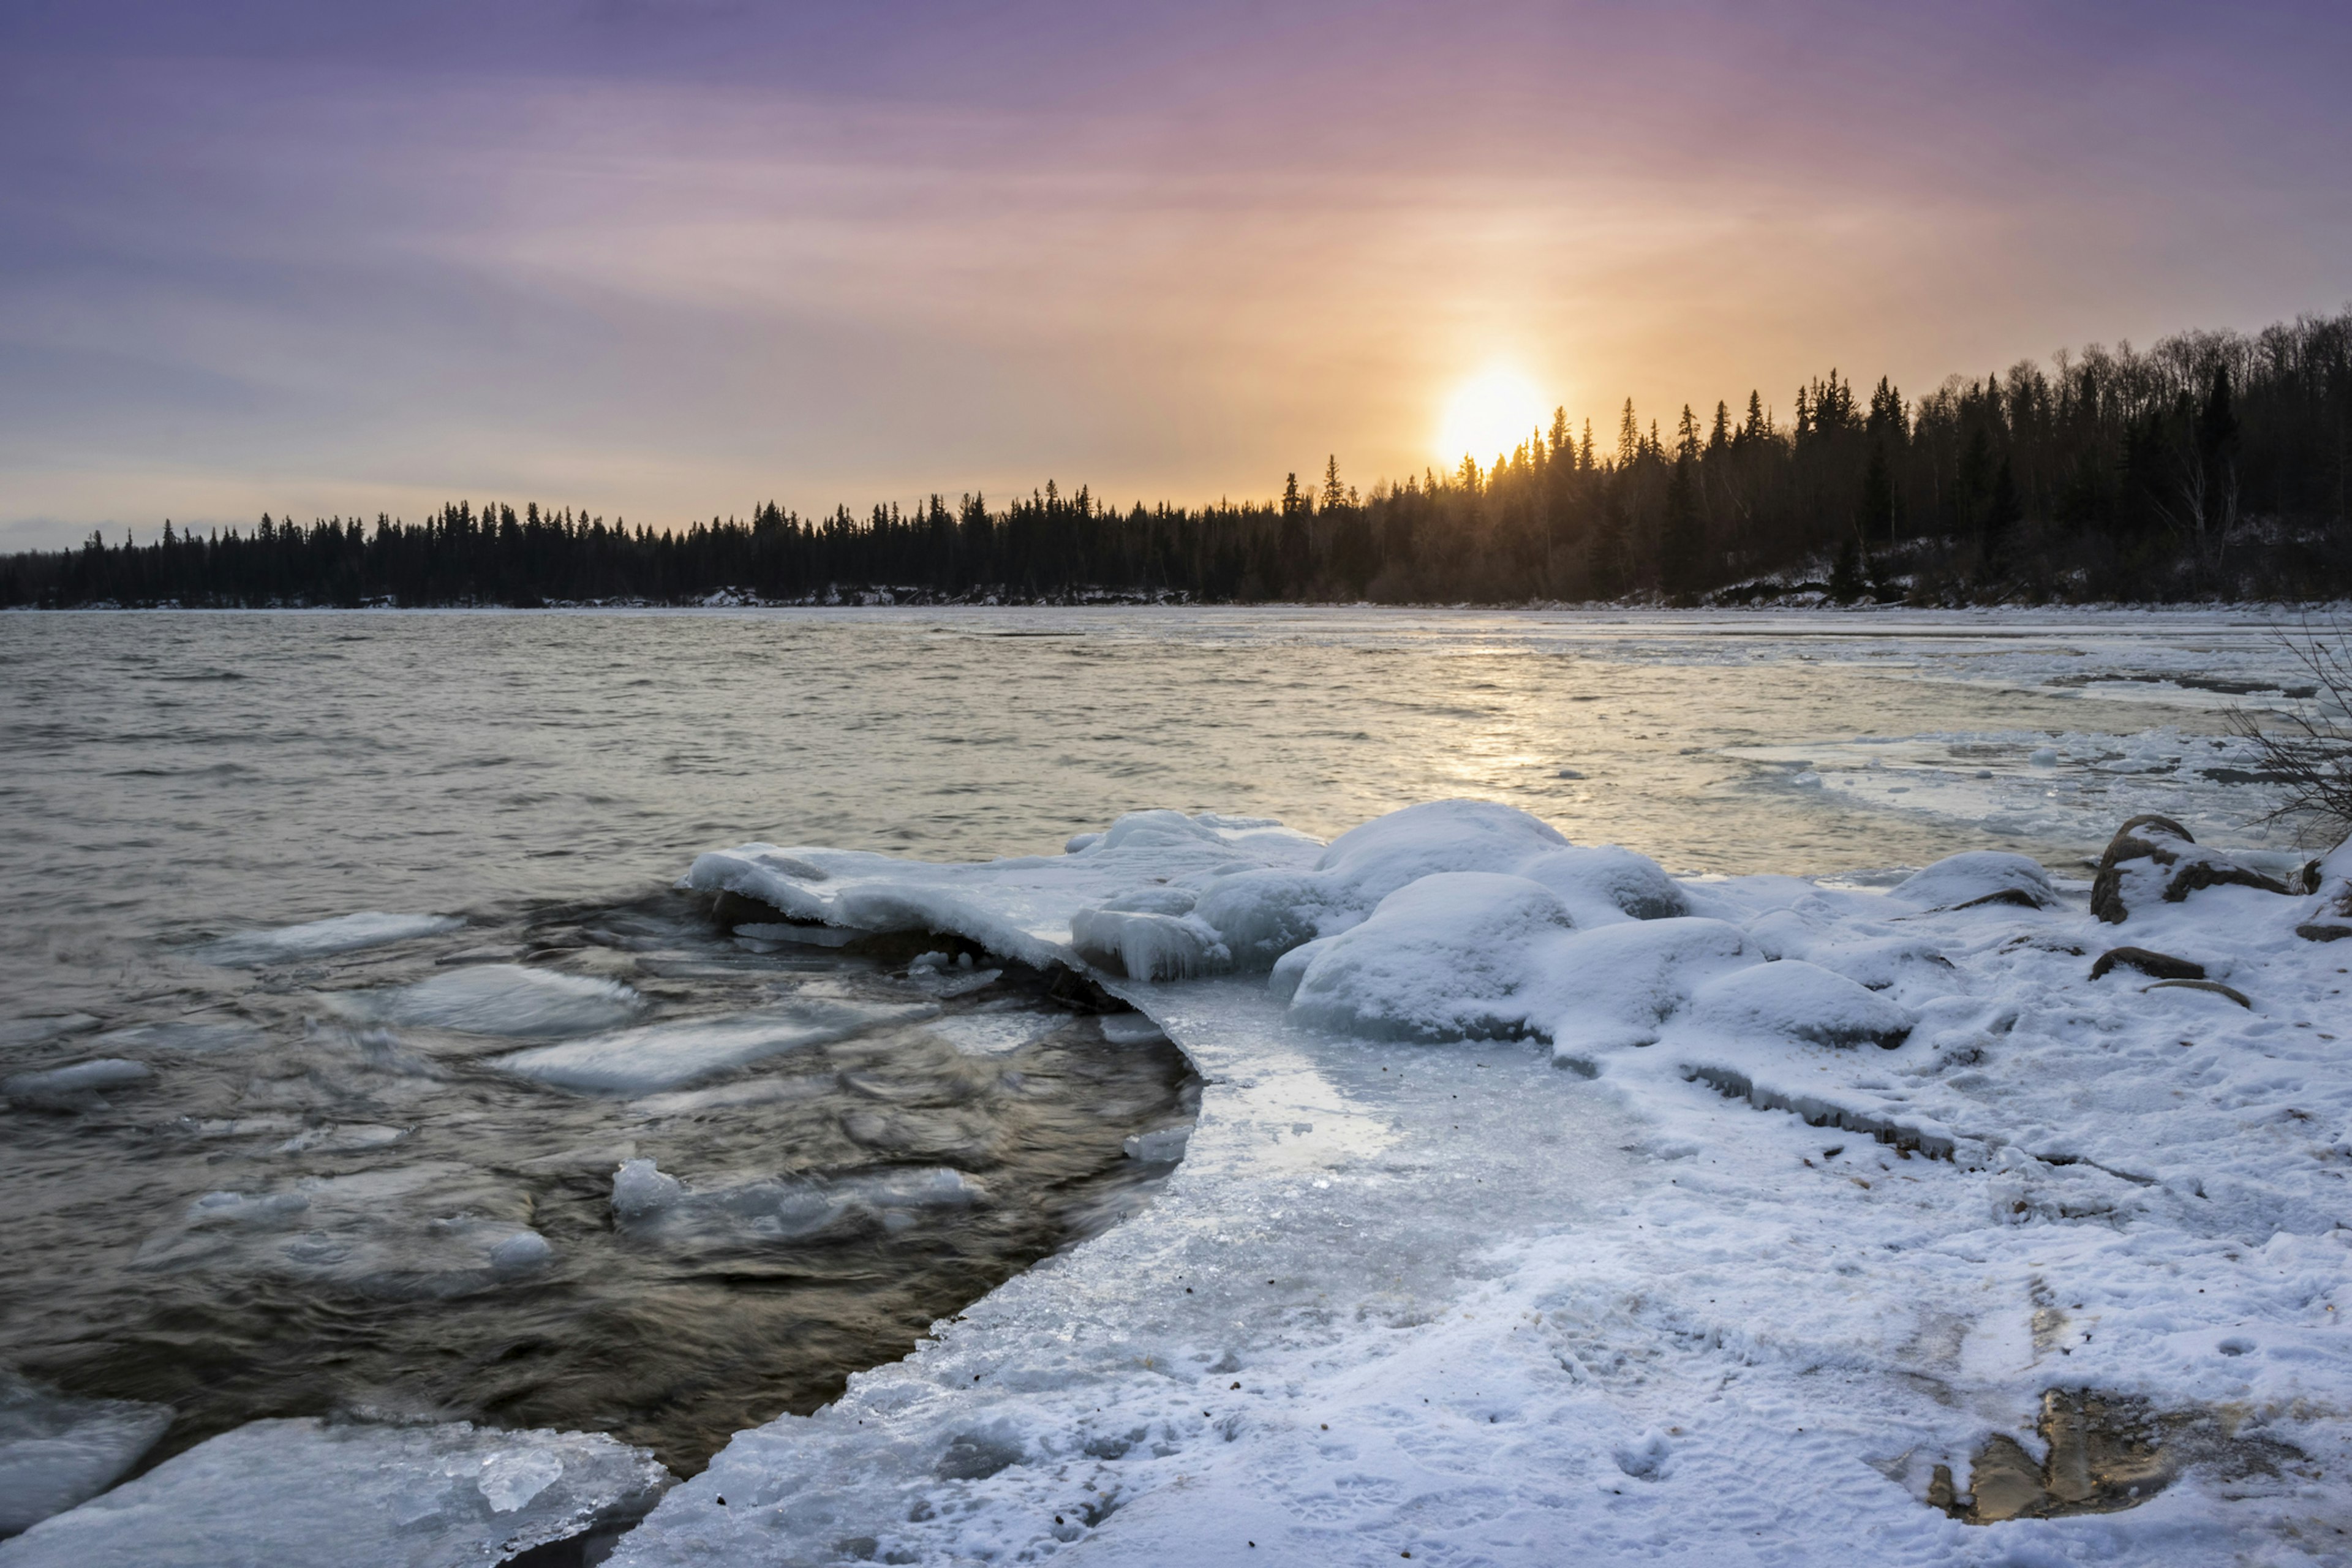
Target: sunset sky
[{"x": 669, "y": 259}]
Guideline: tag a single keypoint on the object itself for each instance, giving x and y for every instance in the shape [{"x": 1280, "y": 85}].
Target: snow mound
[
  {"x": 1980, "y": 877},
  {"x": 322, "y": 939},
  {"x": 1618, "y": 985},
  {"x": 666, "y": 1055},
  {"x": 1452, "y": 955},
  {"x": 496, "y": 999},
  {"x": 305, "y": 1491},
  {"x": 1800, "y": 1001},
  {"x": 55, "y": 1451}
]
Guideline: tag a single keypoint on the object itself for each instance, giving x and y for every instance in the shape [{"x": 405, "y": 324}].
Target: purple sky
[{"x": 672, "y": 258}]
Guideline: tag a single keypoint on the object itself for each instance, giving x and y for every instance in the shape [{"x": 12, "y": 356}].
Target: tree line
[{"x": 2213, "y": 465}]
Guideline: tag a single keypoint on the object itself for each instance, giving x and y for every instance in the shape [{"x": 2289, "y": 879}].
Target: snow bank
[
  {"x": 496, "y": 999},
  {"x": 306, "y": 1491},
  {"x": 319, "y": 939}
]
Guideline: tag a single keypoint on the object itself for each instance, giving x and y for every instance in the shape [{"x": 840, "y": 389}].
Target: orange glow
[{"x": 1489, "y": 415}]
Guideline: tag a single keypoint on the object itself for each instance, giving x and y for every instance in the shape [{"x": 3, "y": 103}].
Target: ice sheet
[
  {"x": 56, "y": 1451},
  {"x": 305, "y": 1491}
]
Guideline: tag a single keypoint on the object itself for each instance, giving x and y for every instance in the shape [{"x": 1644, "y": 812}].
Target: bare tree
[{"x": 2309, "y": 748}]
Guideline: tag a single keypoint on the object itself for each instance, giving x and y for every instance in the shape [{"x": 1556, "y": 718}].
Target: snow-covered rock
[
  {"x": 1980, "y": 877},
  {"x": 2153, "y": 858}
]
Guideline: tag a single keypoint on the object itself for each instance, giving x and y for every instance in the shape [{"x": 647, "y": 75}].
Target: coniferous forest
[{"x": 2212, "y": 466}]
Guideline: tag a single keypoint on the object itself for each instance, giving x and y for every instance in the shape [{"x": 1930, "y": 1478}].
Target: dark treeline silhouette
[{"x": 2215, "y": 465}]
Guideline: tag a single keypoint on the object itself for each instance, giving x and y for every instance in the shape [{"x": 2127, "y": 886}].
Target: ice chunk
[
  {"x": 428, "y": 1231},
  {"x": 1131, "y": 1029},
  {"x": 56, "y": 1451},
  {"x": 319, "y": 939},
  {"x": 184, "y": 1035},
  {"x": 1803, "y": 1001},
  {"x": 1164, "y": 1146},
  {"x": 496, "y": 999},
  {"x": 666, "y": 1055},
  {"x": 1980, "y": 877},
  {"x": 639, "y": 1188},
  {"x": 996, "y": 1034},
  {"x": 653, "y": 1206},
  {"x": 75, "y": 1088},
  {"x": 1146, "y": 946},
  {"x": 305, "y": 1491},
  {"x": 1449, "y": 955},
  {"x": 342, "y": 1138},
  {"x": 32, "y": 1031}
]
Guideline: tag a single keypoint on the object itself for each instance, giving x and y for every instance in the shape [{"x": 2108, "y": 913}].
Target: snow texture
[{"x": 305, "y": 1491}]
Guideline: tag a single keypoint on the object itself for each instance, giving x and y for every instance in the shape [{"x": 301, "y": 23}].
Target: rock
[
  {"x": 2215, "y": 986},
  {"x": 2156, "y": 965},
  {"x": 2329, "y": 918},
  {"x": 2175, "y": 866}
]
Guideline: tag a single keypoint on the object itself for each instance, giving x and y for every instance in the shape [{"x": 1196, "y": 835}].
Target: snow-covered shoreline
[
  {"x": 1510, "y": 1313},
  {"x": 1763, "y": 1216}
]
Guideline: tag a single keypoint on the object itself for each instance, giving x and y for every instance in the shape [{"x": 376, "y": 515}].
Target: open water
[{"x": 312, "y": 1200}]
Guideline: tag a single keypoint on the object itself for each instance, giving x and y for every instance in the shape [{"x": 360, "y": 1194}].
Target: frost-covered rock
[
  {"x": 1796, "y": 1000},
  {"x": 2154, "y": 858},
  {"x": 306, "y": 1491},
  {"x": 1978, "y": 877},
  {"x": 57, "y": 1451}
]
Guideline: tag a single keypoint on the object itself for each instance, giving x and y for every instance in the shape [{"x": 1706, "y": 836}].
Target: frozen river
[{"x": 409, "y": 1197}]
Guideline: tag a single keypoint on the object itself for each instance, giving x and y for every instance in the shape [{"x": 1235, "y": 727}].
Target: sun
[{"x": 1489, "y": 415}]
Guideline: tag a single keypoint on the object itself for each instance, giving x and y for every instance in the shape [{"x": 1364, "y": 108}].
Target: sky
[{"x": 668, "y": 259}]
